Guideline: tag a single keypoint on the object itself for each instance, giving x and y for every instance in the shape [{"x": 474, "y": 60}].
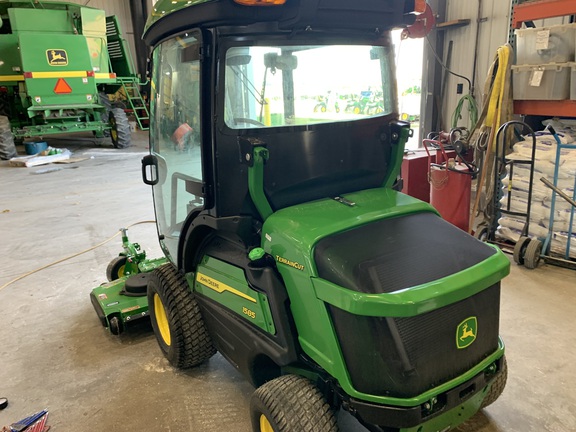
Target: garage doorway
[{"x": 409, "y": 59}]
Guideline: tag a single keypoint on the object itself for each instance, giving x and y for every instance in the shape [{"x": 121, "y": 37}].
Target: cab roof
[{"x": 170, "y": 17}]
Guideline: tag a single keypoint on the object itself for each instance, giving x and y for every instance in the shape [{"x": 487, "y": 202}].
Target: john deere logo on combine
[
  {"x": 57, "y": 57},
  {"x": 466, "y": 332}
]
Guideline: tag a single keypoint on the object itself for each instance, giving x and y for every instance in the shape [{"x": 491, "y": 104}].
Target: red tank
[{"x": 450, "y": 187}]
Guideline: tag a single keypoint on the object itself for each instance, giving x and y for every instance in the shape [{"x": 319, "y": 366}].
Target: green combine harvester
[
  {"x": 58, "y": 64},
  {"x": 290, "y": 250}
]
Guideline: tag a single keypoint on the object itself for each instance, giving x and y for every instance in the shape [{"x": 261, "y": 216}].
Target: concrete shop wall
[
  {"x": 493, "y": 33},
  {"x": 120, "y": 8}
]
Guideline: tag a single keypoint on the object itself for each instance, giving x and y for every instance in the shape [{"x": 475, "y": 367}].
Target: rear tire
[
  {"x": 497, "y": 386},
  {"x": 120, "y": 132},
  {"x": 176, "y": 319},
  {"x": 290, "y": 403}
]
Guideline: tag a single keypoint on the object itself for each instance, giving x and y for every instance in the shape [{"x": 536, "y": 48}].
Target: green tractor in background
[
  {"x": 290, "y": 250},
  {"x": 58, "y": 64}
]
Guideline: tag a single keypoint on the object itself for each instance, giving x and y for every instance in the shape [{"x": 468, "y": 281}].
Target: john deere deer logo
[
  {"x": 57, "y": 57},
  {"x": 466, "y": 332}
]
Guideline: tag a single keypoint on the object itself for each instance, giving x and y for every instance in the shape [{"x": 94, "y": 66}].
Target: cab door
[{"x": 175, "y": 165}]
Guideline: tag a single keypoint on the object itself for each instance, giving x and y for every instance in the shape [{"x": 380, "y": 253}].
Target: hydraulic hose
[
  {"x": 472, "y": 111},
  {"x": 70, "y": 256}
]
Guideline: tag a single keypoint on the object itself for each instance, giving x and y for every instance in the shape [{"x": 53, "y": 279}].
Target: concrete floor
[{"x": 55, "y": 354}]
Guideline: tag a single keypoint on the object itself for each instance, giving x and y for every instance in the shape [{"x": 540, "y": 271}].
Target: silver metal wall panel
[{"x": 493, "y": 33}]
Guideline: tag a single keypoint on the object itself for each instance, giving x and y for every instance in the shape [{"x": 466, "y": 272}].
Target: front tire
[
  {"x": 120, "y": 132},
  {"x": 7, "y": 147},
  {"x": 497, "y": 386},
  {"x": 290, "y": 403},
  {"x": 105, "y": 116},
  {"x": 176, "y": 319}
]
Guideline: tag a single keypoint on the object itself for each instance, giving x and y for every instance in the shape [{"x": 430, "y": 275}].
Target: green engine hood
[
  {"x": 298, "y": 229},
  {"x": 377, "y": 256},
  {"x": 379, "y": 252}
]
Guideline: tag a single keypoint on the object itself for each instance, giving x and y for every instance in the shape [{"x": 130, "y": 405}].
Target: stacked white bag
[{"x": 510, "y": 227}]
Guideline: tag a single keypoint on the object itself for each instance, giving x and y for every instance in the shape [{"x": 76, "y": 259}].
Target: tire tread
[
  {"x": 532, "y": 255},
  {"x": 497, "y": 387},
  {"x": 520, "y": 249},
  {"x": 7, "y": 146},
  {"x": 293, "y": 404},
  {"x": 122, "y": 128},
  {"x": 191, "y": 342}
]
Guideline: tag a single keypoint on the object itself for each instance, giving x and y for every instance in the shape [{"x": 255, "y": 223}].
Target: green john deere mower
[{"x": 290, "y": 250}]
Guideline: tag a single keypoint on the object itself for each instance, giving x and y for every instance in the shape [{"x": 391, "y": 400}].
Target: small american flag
[{"x": 34, "y": 423}]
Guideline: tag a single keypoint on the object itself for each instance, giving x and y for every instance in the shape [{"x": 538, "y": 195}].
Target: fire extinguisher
[{"x": 450, "y": 181}]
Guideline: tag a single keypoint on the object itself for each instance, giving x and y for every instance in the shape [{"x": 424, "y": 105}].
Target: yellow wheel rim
[
  {"x": 121, "y": 271},
  {"x": 265, "y": 425},
  {"x": 162, "y": 320},
  {"x": 356, "y": 110}
]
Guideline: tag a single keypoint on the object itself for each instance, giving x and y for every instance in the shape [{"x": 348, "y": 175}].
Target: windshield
[{"x": 270, "y": 86}]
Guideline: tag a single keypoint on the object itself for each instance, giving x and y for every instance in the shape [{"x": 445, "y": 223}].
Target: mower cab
[{"x": 290, "y": 250}]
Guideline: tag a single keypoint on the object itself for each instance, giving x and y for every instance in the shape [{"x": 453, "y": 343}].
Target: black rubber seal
[{"x": 3, "y": 403}]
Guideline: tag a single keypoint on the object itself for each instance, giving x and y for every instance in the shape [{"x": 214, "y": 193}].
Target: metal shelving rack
[
  {"x": 536, "y": 10},
  {"x": 530, "y": 11}
]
